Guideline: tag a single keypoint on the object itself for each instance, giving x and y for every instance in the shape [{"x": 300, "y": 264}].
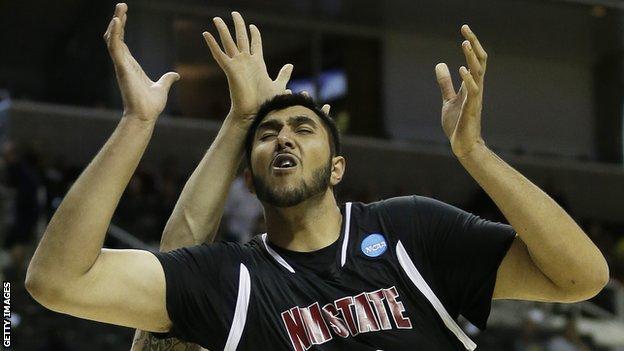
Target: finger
[
  {"x": 445, "y": 82},
  {"x": 256, "y": 41},
  {"x": 215, "y": 50},
  {"x": 288, "y": 91},
  {"x": 124, "y": 18},
  {"x": 114, "y": 41},
  {"x": 284, "y": 75},
  {"x": 326, "y": 109},
  {"x": 226, "y": 37},
  {"x": 470, "y": 115},
  {"x": 473, "y": 62},
  {"x": 120, "y": 12},
  {"x": 120, "y": 9},
  {"x": 241, "y": 32},
  {"x": 168, "y": 79},
  {"x": 477, "y": 47},
  {"x": 469, "y": 82},
  {"x": 106, "y": 35},
  {"x": 305, "y": 93}
]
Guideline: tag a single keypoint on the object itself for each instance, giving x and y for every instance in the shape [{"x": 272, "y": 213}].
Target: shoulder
[
  {"x": 412, "y": 213},
  {"x": 407, "y": 201},
  {"x": 394, "y": 203},
  {"x": 393, "y": 215},
  {"x": 404, "y": 205},
  {"x": 217, "y": 248},
  {"x": 207, "y": 256}
]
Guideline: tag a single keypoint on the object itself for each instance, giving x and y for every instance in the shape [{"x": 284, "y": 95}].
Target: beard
[{"x": 288, "y": 196}]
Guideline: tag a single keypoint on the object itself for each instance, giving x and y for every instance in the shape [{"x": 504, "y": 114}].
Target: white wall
[{"x": 542, "y": 105}]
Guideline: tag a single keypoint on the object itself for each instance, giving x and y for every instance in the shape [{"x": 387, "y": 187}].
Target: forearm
[
  {"x": 195, "y": 218},
  {"x": 557, "y": 245},
  {"x": 75, "y": 235}
]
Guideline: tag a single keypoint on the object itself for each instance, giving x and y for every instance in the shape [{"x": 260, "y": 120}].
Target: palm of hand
[
  {"x": 250, "y": 85},
  {"x": 142, "y": 98},
  {"x": 451, "y": 112},
  {"x": 243, "y": 64},
  {"x": 463, "y": 136}
]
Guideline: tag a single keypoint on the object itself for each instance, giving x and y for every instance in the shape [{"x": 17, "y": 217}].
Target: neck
[{"x": 308, "y": 226}]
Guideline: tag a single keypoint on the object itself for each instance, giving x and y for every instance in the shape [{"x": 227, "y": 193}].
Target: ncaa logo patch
[{"x": 374, "y": 245}]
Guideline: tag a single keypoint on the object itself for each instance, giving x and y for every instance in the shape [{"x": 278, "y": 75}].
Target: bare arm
[
  {"x": 70, "y": 272},
  {"x": 552, "y": 259}
]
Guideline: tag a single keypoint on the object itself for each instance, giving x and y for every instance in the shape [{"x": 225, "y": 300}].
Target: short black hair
[{"x": 280, "y": 102}]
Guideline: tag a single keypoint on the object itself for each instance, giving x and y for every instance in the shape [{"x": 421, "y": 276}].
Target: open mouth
[{"x": 284, "y": 161}]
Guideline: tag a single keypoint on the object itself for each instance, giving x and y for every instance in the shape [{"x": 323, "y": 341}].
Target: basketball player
[
  {"x": 391, "y": 275},
  {"x": 188, "y": 224}
]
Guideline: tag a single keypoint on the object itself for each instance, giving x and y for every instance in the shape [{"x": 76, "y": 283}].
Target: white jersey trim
[
  {"x": 413, "y": 274},
  {"x": 240, "y": 314},
  {"x": 345, "y": 243},
  {"x": 345, "y": 240},
  {"x": 275, "y": 255}
]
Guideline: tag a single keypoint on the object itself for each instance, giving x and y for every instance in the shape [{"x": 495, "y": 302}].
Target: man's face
[{"x": 290, "y": 158}]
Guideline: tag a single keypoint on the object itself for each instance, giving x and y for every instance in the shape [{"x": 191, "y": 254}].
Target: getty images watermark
[{"x": 6, "y": 314}]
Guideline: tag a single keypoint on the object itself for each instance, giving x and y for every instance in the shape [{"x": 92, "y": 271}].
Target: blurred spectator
[
  {"x": 242, "y": 210},
  {"x": 569, "y": 341},
  {"x": 56, "y": 185},
  {"x": 138, "y": 210},
  {"x": 5, "y": 103},
  {"x": 530, "y": 338},
  {"x": 168, "y": 187},
  {"x": 22, "y": 174}
]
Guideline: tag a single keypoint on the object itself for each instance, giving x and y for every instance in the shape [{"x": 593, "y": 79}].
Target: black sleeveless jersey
[{"x": 397, "y": 278}]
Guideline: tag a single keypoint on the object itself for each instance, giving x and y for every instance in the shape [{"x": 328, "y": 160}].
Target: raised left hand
[
  {"x": 461, "y": 110},
  {"x": 143, "y": 98}
]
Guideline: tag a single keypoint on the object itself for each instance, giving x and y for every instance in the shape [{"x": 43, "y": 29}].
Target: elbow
[
  {"x": 590, "y": 285},
  {"x": 33, "y": 287},
  {"x": 32, "y": 282},
  {"x": 40, "y": 288},
  {"x": 600, "y": 279}
]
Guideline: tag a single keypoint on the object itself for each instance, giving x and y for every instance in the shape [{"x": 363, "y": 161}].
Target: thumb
[
  {"x": 443, "y": 76},
  {"x": 168, "y": 79},
  {"x": 284, "y": 75}
]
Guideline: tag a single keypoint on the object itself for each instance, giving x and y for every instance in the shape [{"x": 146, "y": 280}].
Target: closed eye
[
  {"x": 304, "y": 131},
  {"x": 267, "y": 136}
]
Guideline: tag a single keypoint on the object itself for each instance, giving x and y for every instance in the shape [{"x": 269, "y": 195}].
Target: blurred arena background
[{"x": 554, "y": 108}]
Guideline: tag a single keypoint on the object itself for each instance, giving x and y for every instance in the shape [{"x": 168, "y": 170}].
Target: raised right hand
[
  {"x": 142, "y": 98},
  {"x": 244, "y": 66}
]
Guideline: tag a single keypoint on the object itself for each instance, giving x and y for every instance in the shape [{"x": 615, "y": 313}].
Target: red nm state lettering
[{"x": 345, "y": 317}]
